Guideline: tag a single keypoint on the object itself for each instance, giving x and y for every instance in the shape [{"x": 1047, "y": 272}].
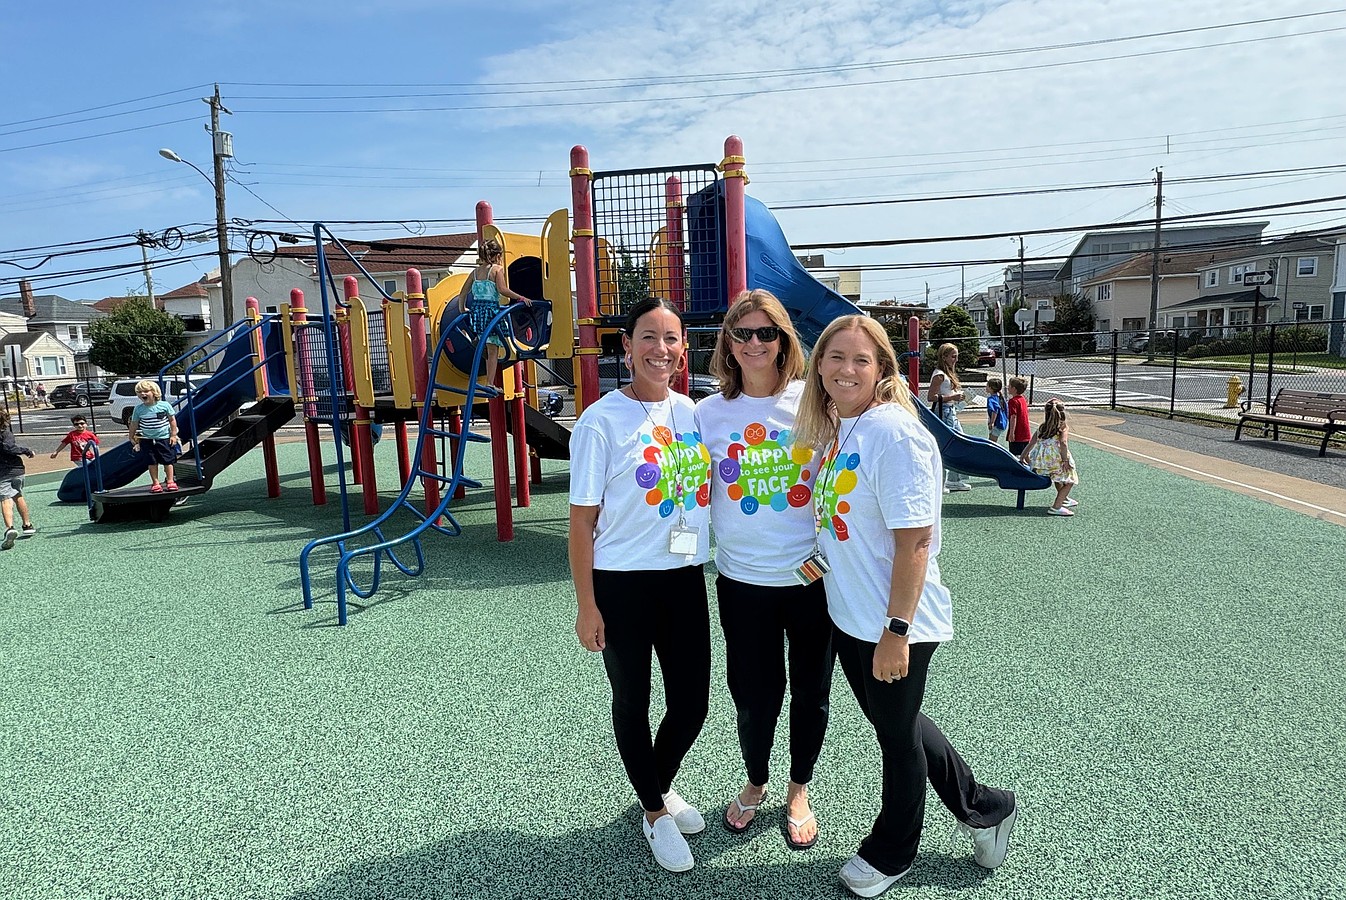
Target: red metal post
[
  {"x": 421, "y": 328},
  {"x": 673, "y": 259},
  {"x": 304, "y": 396},
  {"x": 271, "y": 466},
  {"x": 735, "y": 226},
  {"x": 586, "y": 280},
  {"x": 504, "y": 513},
  {"x": 914, "y": 362},
  {"x": 455, "y": 427}
]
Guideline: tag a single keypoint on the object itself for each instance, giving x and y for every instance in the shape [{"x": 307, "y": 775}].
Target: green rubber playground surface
[{"x": 1159, "y": 678}]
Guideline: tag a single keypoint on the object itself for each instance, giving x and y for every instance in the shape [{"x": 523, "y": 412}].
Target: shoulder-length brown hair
[
  {"x": 790, "y": 359},
  {"x": 816, "y": 423}
]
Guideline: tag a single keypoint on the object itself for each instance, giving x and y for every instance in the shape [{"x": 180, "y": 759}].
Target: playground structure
[{"x": 690, "y": 234}]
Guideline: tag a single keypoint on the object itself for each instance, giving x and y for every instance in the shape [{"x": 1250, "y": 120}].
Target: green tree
[
  {"x": 1071, "y": 330},
  {"x": 135, "y": 339},
  {"x": 633, "y": 279},
  {"x": 953, "y": 325}
]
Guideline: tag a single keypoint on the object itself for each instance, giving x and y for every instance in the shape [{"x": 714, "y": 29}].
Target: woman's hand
[
  {"x": 589, "y": 627},
  {"x": 891, "y": 658}
]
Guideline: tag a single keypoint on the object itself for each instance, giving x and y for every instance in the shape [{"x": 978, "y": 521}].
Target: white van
[{"x": 123, "y": 398}]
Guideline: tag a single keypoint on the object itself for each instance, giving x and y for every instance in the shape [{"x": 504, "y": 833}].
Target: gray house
[
  {"x": 1299, "y": 269},
  {"x": 1101, "y": 250}
]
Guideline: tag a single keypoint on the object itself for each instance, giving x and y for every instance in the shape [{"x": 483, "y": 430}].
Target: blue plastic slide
[
  {"x": 772, "y": 265},
  {"x": 210, "y": 403},
  {"x": 979, "y": 457}
]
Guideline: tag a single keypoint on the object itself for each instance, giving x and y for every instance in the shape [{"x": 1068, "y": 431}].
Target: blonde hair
[
  {"x": 948, "y": 370},
  {"x": 1053, "y": 420},
  {"x": 490, "y": 252},
  {"x": 150, "y": 387},
  {"x": 790, "y": 359},
  {"x": 816, "y": 423}
]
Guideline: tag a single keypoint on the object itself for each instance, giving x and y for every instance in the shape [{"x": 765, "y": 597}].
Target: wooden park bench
[{"x": 1308, "y": 410}]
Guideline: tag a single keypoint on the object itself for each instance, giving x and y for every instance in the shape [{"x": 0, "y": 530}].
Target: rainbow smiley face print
[
  {"x": 839, "y": 478},
  {"x": 762, "y": 469},
  {"x": 676, "y": 470}
]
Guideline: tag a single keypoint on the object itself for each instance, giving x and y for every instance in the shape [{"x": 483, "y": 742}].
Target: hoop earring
[
  {"x": 682, "y": 365},
  {"x": 780, "y": 360},
  {"x": 730, "y": 362}
]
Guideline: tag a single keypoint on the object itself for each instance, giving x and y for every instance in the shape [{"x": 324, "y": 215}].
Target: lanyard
[
  {"x": 677, "y": 460},
  {"x": 830, "y": 463}
]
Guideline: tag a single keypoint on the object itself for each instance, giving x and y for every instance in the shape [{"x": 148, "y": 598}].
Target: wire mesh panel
[
  {"x": 311, "y": 338},
  {"x": 379, "y": 367},
  {"x": 649, "y": 244}
]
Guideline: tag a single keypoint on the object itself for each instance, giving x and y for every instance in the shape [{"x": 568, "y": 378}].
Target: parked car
[
  {"x": 81, "y": 393},
  {"x": 124, "y": 394},
  {"x": 986, "y": 355},
  {"x": 613, "y": 374}
]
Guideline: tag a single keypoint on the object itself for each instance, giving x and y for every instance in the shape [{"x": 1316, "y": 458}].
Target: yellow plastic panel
[
  {"x": 661, "y": 280},
  {"x": 398, "y": 336},
  {"x": 607, "y": 279},
  {"x": 364, "y": 380},
  {"x": 287, "y": 342},
  {"x": 556, "y": 284}
]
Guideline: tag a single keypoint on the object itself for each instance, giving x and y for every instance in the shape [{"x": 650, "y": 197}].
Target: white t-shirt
[
  {"x": 762, "y": 495},
  {"x": 646, "y": 469},
  {"x": 885, "y": 474}
]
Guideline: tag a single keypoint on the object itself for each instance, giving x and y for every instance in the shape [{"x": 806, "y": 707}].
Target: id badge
[
  {"x": 683, "y": 541},
  {"x": 812, "y": 569}
]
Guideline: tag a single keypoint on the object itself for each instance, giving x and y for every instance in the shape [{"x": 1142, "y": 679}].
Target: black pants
[
  {"x": 757, "y": 623},
  {"x": 913, "y": 747},
  {"x": 665, "y": 612},
  {"x": 1017, "y": 447}
]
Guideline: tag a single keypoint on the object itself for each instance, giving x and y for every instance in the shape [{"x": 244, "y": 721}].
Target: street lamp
[{"x": 221, "y": 229}]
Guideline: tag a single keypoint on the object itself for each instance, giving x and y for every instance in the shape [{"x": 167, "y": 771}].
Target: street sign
[
  {"x": 1251, "y": 279},
  {"x": 1298, "y": 304},
  {"x": 1023, "y": 317}
]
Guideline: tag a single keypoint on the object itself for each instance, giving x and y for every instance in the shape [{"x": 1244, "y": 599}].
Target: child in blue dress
[{"x": 481, "y": 295}]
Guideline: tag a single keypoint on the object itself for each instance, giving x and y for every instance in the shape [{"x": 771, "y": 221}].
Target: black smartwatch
[{"x": 897, "y": 626}]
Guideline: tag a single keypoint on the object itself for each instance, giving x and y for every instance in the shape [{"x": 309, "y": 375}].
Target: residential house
[
  {"x": 1098, "y": 251},
  {"x": 45, "y": 359},
  {"x": 845, "y": 282},
  {"x": 270, "y": 277},
  {"x": 981, "y": 308},
  {"x": 66, "y": 320},
  {"x": 1336, "y": 338},
  {"x": 12, "y": 323},
  {"x": 1121, "y": 295},
  {"x": 1298, "y": 272},
  {"x": 190, "y": 303}
]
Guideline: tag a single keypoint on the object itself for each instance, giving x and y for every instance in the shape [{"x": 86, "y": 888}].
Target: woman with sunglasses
[
  {"x": 639, "y": 534},
  {"x": 762, "y": 513},
  {"x": 878, "y": 514}
]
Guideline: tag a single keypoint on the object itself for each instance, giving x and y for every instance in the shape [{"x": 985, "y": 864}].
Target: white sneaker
[
  {"x": 667, "y": 843},
  {"x": 687, "y": 816},
  {"x": 991, "y": 845},
  {"x": 864, "y": 880},
  {"x": 956, "y": 486}
]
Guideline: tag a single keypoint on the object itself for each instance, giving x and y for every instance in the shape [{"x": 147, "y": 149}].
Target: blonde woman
[
  {"x": 945, "y": 393},
  {"x": 762, "y": 510},
  {"x": 878, "y": 503}
]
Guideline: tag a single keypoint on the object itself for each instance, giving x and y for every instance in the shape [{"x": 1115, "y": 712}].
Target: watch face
[{"x": 898, "y": 627}]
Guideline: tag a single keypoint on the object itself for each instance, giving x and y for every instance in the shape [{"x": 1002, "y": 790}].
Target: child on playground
[
  {"x": 1020, "y": 429},
  {"x": 1048, "y": 453},
  {"x": 11, "y": 484},
  {"x": 945, "y": 394},
  {"x": 997, "y": 419},
  {"x": 80, "y": 439},
  {"x": 485, "y": 286},
  {"x": 154, "y": 423}
]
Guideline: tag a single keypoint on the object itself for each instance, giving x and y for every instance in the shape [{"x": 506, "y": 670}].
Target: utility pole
[
  {"x": 221, "y": 146},
  {"x": 1154, "y": 262},
  {"x": 1023, "y": 293},
  {"x": 144, "y": 240}
]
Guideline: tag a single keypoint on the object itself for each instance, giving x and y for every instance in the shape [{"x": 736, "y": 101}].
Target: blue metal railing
[{"x": 384, "y": 547}]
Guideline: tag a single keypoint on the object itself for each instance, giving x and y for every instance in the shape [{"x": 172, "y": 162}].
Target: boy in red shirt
[
  {"x": 1020, "y": 431},
  {"x": 80, "y": 439}
]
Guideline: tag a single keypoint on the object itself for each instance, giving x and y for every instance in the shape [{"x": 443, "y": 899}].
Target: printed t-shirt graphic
[
  {"x": 675, "y": 469},
  {"x": 837, "y": 478},
  {"x": 763, "y": 469}
]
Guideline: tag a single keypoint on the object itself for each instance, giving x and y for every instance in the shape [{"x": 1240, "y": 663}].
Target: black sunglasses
[{"x": 766, "y": 334}]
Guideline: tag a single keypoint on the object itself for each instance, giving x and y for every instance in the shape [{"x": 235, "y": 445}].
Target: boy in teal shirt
[{"x": 154, "y": 423}]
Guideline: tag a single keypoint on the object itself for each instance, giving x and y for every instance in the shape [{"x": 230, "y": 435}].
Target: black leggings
[
  {"x": 757, "y": 621},
  {"x": 666, "y": 612},
  {"x": 912, "y": 747}
]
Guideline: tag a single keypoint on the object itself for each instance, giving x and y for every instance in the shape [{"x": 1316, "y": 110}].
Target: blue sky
[{"x": 409, "y": 110}]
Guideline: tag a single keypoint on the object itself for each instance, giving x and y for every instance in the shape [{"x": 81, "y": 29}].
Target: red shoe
[
  {"x": 156, "y": 488},
  {"x": 172, "y": 485}
]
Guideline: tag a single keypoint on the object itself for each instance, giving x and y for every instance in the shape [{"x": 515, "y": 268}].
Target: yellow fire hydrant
[{"x": 1233, "y": 389}]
